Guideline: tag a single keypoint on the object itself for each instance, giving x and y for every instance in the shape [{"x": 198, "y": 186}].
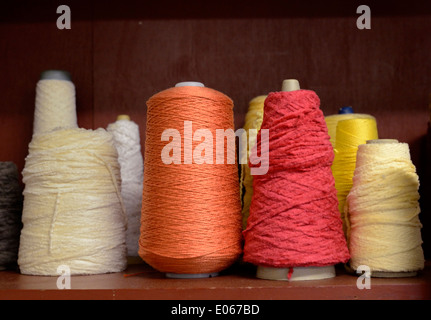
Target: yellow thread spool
[
  {"x": 349, "y": 135},
  {"x": 253, "y": 120},
  {"x": 332, "y": 122}
]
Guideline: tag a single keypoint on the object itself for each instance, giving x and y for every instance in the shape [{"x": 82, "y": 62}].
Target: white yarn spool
[
  {"x": 55, "y": 102},
  {"x": 10, "y": 215},
  {"x": 383, "y": 211},
  {"x": 73, "y": 211},
  {"x": 127, "y": 141}
]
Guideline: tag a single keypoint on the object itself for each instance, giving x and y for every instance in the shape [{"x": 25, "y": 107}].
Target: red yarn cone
[{"x": 294, "y": 219}]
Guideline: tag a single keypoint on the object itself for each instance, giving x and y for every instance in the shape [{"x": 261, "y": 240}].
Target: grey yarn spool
[{"x": 11, "y": 202}]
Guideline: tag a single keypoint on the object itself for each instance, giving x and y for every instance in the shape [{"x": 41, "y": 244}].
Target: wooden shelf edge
[{"x": 140, "y": 282}]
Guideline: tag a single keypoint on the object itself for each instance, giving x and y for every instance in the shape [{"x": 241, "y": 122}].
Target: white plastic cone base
[{"x": 298, "y": 274}]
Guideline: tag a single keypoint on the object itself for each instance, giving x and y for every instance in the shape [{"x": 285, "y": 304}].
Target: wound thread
[
  {"x": 72, "y": 212},
  {"x": 55, "y": 105},
  {"x": 253, "y": 120},
  {"x": 333, "y": 120},
  {"x": 383, "y": 209},
  {"x": 72, "y": 205},
  {"x": 349, "y": 135},
  {"x": 127, "y": 142},
  {"x": 294, "y": 221},
  {"x": 191, "y": 212},
  {"x": 10, "y": 215}
]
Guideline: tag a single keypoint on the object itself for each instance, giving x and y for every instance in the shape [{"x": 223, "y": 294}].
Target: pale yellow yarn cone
[{"x": 383, "y": 210}]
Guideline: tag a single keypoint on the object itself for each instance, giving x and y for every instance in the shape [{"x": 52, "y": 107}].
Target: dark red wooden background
[{"x": 120, "y": 53}]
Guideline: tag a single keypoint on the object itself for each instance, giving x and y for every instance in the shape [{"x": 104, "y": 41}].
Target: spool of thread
[
  {"x": 350, "y": 134},
  {"x": 55, "y": 102},
  {"x": 294, "y": 230},
  {"x": 253, "y": 121},
  {"x": 383, "y": 211},
  {"x": 72, "y": 212},
  {"x": 191, "y": 212},
  {"x": 344, "y": 113},
  {"x": 127, "y": 142},
  {"x": 10, "y": 215}
]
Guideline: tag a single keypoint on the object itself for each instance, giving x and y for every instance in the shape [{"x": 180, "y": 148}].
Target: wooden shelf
[
  {"x": 141, "y": 282},
  {"x": 122, "y": 53}
]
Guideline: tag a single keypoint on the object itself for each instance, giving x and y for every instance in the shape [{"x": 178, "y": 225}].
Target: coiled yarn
[
  {"x": 349, "y": 135},
  {"x": 55, "y": 105},
  {"x": 383, "y": 210},
  {"x": 72, "y": 212},
  {"x": 10, "y": 215},
  {"x": 72, "y": 205},
  {"x": 191, "y": 213},
  {"x": 294, "y": 221},
  {"x": 127, "y": 142},
  {"x": 333, "y": 120},
  {"x": 253, "y": 120}
]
